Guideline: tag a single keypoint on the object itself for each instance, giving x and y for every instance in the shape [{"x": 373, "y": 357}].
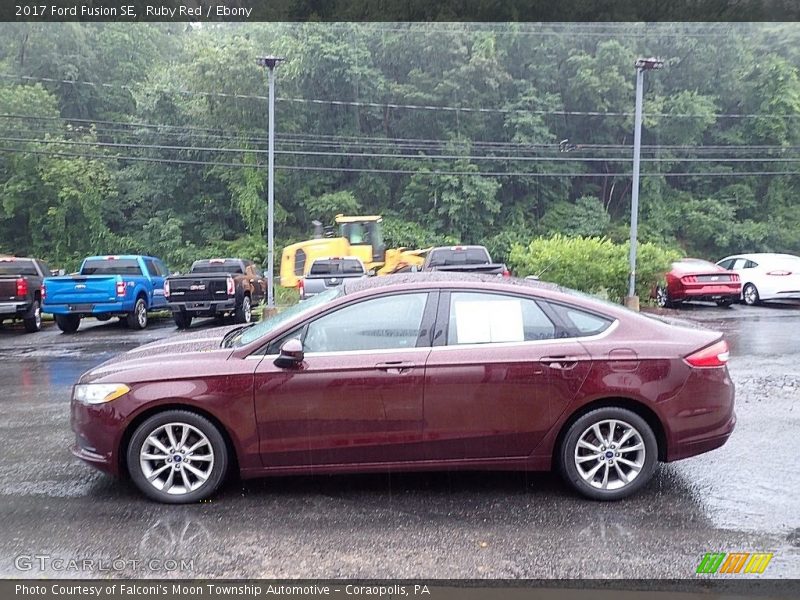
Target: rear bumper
[
  {"x": 13, "y": 309},
  {"x": 88, "y": 309},
  {"x": 207, "y": 308},
  {"x": 708, "y": 292}
]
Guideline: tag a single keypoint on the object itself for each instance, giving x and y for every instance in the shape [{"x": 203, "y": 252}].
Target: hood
[{"x": 169, "y": 353}]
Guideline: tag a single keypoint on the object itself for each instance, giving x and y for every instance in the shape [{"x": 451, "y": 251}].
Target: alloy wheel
[
  {"x": 610, "y": 454},
  {"x": 176, "y": 458}
]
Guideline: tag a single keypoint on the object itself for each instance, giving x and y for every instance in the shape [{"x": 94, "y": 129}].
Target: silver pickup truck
[{"x": 326, "y": 273}]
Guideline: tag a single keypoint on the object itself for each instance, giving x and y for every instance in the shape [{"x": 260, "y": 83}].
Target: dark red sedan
[
  {"x": 697, "y": 279},
  {"x": 412, "y": 372}
]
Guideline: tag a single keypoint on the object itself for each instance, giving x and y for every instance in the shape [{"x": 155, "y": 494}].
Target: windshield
[{"x": 262, "y": 328}]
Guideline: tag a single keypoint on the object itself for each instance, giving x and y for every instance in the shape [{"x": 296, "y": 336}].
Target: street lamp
[
  {"x": 270, "y": 62},
  {"x": 642, "y": 65}
]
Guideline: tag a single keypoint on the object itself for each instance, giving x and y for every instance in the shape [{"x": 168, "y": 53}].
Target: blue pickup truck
[{"x": 124, "y": 286}]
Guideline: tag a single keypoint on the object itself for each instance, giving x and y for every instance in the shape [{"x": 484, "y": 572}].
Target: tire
[
  {"x": 138, "y": 318},
  {"x": 182, "y": 320},
  {"x": 750, "y": 295},
  {"x": 244, "y": 313},
  {"x": 725, "y": 303},
  {"x": 641, "y": 449},
  {"x": 68, "y": 323},
  {"x": 171, "y": 487},
  {"x": 662, "y": 297},
  {"x": 34, "y": 322}
]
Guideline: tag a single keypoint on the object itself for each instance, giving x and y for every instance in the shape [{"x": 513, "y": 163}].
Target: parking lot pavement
[{"x": 740, "y": 498}]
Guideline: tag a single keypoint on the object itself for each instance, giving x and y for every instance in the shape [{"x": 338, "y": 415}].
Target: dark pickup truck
[
  {"x": 21, "y": 290},
  {"x": 216, "y": 287},
  {"x": 463, "y": 259}
]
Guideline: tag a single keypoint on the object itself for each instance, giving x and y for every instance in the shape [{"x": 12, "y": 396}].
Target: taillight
[
  {"x": 735, "y": 277},
  {"x": 780, "y": 273},
  {"x": 689, "y": 279},
  {"x": 166, "y": 289},
  {"x": 44, "y": 292},
  {"x": 301, "y": 287},
  {"x": 22, "y": 287},
  {"x": 120, "y": 288},
  {"x": 715, "y": 355},
  {"x": 506, "y": 273},
  {"x": 231, "y": 286}
]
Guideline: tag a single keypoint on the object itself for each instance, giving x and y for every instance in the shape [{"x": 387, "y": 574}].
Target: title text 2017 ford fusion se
[{"x": 412, "y": 372}]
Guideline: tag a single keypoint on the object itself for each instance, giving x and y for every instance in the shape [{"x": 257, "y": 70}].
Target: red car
[
  {"x": 412, "y": 372},
  {"x": 696, "y": 279}
]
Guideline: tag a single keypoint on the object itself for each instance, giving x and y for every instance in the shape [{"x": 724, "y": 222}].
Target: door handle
[
  {"x": 397, "y": 367},
  {"x": 561, "y": 363}
]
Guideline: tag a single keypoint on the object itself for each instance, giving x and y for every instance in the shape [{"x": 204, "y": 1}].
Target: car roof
[
  {"x": 441, "y": 279},
  {"x": 119, "y": 257},
  {"x": 755, "y": 256}
]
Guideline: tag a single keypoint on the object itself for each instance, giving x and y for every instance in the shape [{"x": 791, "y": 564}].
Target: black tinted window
[
  {"x": 450, "y": 256},
  {"x": 336, "y": 267},
  {"x": 17, "y": 267},
  {"x": 217, "y": 266},
  {"x": 580, "y": 322},
  {"x": 111, "y": 266}
]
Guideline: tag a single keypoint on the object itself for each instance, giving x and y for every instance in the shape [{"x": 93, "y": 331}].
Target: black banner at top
[{"x": 399, "y": 10}]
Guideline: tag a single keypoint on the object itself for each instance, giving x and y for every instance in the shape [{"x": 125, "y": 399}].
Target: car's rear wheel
[
  {"x": 662, "y": 297},
  {"x": 608, "y": 453},
  {"x": 750, "y": 295},
  {"x": 244, "y": 314},
  {"x": 182, "y": 320},
  {"x": 68, "y": 323},
  {"x": 177, "y": 457},
  {"x": 34, "y": 322},
  {"x": 138, "y": 318}
]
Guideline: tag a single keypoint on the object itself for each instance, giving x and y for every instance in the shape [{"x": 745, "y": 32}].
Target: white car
[{"x": 766, "y": 276}]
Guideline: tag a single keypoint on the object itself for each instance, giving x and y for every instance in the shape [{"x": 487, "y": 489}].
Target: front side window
[
  {"x": 477, "y": 318},
  {"x": 392, "y": 322}
]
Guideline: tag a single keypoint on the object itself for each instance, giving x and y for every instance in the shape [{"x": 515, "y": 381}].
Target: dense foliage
[{"x": 152, "y": 137}]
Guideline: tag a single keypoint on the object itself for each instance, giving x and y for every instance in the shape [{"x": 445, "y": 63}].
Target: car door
[
  {"x": 498, "y": 376},
  {"x": 357, "y": 397},
  {"x": 157, "y": 298}
]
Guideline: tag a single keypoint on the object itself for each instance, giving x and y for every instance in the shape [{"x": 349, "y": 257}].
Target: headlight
[{"x": 98, "y": 393}]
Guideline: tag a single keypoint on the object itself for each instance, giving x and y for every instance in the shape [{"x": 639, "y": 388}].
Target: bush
[{"x": 592, "y": 264}]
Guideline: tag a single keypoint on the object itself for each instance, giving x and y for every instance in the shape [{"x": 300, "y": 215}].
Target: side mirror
[{"x": 291, "y": 354}]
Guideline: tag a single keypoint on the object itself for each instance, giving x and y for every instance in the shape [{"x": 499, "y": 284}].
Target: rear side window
[
  {"x": 478, "y": 318},
  {"x": 17, "y": 267},
  {"x": 336, "y": 267},
  {"x": 580, "y": 323},
  {"x": 111, "y": 266}
]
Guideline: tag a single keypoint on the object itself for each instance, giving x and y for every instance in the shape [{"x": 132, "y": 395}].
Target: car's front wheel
[
  {"x": 177, "y": 457},
  {"x": 608, "y": 453}
]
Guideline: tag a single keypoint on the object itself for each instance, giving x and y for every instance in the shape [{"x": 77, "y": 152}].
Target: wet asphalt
[{"x": 744, "y": 497}]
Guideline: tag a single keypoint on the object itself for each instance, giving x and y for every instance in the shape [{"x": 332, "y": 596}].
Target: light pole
[
  {"x": 270, "y": 62},
  {"x": 642, "y": 65}
]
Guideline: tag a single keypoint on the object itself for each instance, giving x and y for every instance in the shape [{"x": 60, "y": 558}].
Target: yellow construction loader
[{"x": 358, "y": 236}]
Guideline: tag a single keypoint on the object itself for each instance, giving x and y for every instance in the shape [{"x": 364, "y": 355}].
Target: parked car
[
  {"x": 697, "y": 279},
  {"x": 463, "y": 259},
  {"x": 412, "y": 372},
  {"x": 766, "y": 276},
  {"x": 326, "y": 273},
  {"x": 125, "y": 286},
  {"x": 216, "y": 287},
  {"x": 21, "y": 290}
]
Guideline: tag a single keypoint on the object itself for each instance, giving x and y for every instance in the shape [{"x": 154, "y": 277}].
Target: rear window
[
  {"x": 17, "y": 267},
  {"x": 467, "y": 256},
  {"x": 336, "y": 267},
  {"x": 111, "y": 266},
  {"x": 217, "y": 266}
]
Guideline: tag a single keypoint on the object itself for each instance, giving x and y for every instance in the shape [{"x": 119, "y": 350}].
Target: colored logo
[{"x": 734, "y": 562}]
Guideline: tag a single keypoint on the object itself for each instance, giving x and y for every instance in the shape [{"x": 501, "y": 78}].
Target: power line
[
  {"x": 390, "y": 171},
  {"x": 393, "y": 105}
]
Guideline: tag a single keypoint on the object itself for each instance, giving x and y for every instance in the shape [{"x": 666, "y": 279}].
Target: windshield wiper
[{"x": 227, "y": 340}]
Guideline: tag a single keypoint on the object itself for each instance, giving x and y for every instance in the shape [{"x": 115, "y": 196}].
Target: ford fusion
[{"x": 412, "y": 372}]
